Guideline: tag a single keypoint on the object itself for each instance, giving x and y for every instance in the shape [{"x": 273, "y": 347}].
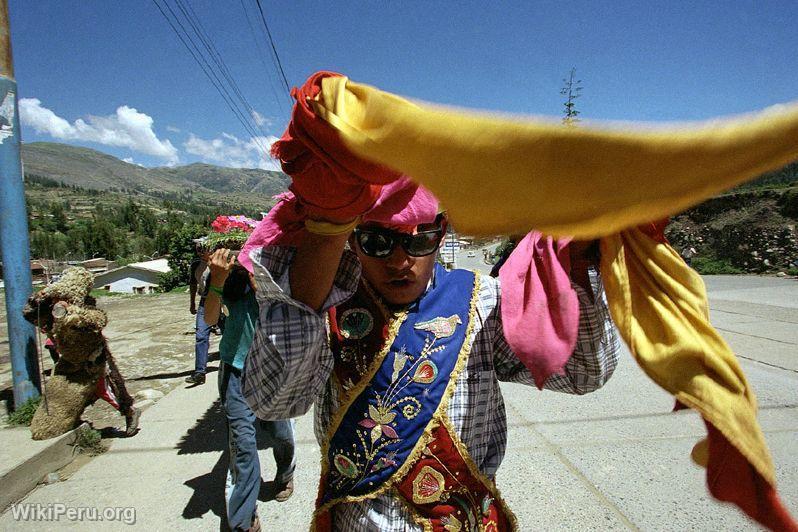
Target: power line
[
  {"x": 203, "y": 63},
  {"x": 274, "y": 48},
  {"x": 192, "y": 18},
  {"x": 263, "y": 52},
  {"x": 208, "y": 69}
]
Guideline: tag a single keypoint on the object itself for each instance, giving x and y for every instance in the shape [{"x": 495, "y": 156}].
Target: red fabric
[
  {"x": 442, "y": 456},
  {"x": 731, "y": 478},
  {"x": 105, "y": 392},
  {"x": 327, "y": 178},
  {"x": 656, "y": 230}
]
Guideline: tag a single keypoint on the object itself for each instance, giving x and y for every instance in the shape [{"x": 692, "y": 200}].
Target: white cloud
[
  {"x": 260, "y": 120},
  {"x": 173, "y": 129},
  {"x": 229, "y": 150},
  {"x": 129, "y": 160},
  {"x": 128, "y": 128}
]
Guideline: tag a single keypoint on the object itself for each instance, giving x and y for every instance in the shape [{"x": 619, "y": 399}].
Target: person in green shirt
[{"x": 231, "y": 286}]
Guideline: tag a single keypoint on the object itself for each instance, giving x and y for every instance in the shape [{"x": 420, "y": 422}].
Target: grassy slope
[{"x": 91, "y": 169}]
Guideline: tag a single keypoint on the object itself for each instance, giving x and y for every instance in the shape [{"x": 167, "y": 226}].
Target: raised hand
[{"x": 220, "y": 264}]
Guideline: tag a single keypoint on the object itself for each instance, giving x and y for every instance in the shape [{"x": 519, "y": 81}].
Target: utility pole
[
  {"x": 14, "y": 229},
  {"x": 572, "y": 90}
]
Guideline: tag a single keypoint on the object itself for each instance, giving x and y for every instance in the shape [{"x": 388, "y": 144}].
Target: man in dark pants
[{"x": 197, "y": 285}]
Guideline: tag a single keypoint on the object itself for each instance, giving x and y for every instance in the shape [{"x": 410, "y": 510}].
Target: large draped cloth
[{"x": 502, "y": 175}]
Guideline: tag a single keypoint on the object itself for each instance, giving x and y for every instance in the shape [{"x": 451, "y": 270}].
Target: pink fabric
[
  {"x": 401, "y": 202},
  {"x": 539, "y": 308}
]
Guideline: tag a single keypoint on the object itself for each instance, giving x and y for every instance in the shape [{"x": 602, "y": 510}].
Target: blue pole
[{"x": 14, "y": 229}]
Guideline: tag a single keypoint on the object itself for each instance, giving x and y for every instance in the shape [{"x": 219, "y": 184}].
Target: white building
[{"x": 135, "y": 278}]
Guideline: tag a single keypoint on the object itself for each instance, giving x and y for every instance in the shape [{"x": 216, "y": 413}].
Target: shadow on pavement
[
  {"x": 209, "y": 435},
  {"x": 172, "y": 375},
  {"x": 208, "y": 493},
  {"x": 7, "y": 397},
  {"x": 212, "y": 357}
]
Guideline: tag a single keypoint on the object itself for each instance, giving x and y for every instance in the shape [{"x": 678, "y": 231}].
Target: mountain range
[{"x": 95, "y": 170}]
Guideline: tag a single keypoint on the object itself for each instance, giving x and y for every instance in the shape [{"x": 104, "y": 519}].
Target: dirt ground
[{"x": 152, "y": 339}]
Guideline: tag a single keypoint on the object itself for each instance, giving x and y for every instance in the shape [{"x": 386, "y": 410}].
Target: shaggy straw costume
[{"x": 65, "y": 311}]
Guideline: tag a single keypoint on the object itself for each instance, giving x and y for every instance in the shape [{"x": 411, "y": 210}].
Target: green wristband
[{"x": 216, "y": 290}]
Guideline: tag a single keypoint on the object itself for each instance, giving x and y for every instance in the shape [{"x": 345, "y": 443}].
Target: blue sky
[{"x": 113, "y": 75}]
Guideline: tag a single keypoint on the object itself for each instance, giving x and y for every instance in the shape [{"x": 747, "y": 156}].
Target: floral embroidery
[
  {"x": 428, "y": 486},
  {"x": 399, "y": 361},
  {"x": 486, "y": 502},
  {"x": 385, "y": 461},
  {"x": 407, "y": 379},
  {"x": 491, "y": 526},
  {"x": 466, "y": 506},
  {"x": 378, "y": 421},
  {"x": 451, "y": 523},
  {"x": 345, "y": 466}
]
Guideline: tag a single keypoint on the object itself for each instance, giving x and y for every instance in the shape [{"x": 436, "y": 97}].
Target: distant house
[
  {"x": 135, "y": 278},
  {"x": 39, "y": 270},
  {"x": 98, "y": 265}
]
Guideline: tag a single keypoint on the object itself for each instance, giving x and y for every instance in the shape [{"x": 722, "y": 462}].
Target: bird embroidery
[{"x": 440, "y": 327}]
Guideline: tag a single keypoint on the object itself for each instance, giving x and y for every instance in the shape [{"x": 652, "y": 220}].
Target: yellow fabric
[
  {"x": 660, "y": 307},
  {"x": 330, "y": 229},
  {"x": 504, "y": 176},
  {"x": 507, "y": 176}
]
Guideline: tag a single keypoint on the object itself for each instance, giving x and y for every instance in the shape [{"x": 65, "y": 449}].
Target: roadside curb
[{"x": 21, "y": 478}]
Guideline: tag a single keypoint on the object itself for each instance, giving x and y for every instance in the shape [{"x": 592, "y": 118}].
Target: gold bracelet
[{"x": 330, "y": 229}]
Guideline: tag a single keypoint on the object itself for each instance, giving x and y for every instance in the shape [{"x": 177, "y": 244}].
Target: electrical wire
[
  {"x": 274, "y": 48},
  {"x": 195, "y": 23},
  {"x": 183, "y": 34},
  {"x": 263, "y": 52}
]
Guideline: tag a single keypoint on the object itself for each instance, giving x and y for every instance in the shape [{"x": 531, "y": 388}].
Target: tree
[
  {"x": 59, "y": 216},
  {"x": 181, "y": 250},
  {"x": 46, "y": 244},
  {"x": 571, "y": 90}
]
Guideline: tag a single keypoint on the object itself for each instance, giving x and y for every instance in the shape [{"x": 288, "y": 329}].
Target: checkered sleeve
[
  {"x": 595, "y": 355},
  {"x": 289, "y": 360}
]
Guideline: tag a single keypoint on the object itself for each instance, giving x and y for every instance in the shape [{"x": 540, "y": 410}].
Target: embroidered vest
[{"x": 391, "y": 432}]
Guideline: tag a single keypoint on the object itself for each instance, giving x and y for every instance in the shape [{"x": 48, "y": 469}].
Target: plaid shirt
[{"x": 290, "y": 364}]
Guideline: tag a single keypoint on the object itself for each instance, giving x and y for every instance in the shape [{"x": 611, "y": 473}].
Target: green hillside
[
  {"x": 84, "y": 203},
  {"x": 220, "y": 179},
  {"x": 93, "y": 170}
]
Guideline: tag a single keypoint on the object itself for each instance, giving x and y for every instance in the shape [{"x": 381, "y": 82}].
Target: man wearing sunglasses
[{"x": 403, "y": 360}]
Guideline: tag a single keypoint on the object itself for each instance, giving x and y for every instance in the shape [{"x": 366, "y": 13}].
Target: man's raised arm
[{"x": 289, "y": 361}]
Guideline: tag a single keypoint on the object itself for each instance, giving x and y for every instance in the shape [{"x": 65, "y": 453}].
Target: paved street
[{"x": 617, "y": 459}]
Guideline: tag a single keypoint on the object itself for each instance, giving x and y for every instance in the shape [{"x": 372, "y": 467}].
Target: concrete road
[
  {"x": 618, "y": 459},
  {"x": 613, "y": 460}
]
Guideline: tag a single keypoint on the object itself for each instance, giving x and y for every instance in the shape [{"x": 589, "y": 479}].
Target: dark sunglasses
[{"x": 379, "y": 242}]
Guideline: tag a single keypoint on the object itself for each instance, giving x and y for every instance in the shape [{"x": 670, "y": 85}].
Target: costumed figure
[
  {"x": 403, "y": 358},
  {"x": 84, "y": 368}
]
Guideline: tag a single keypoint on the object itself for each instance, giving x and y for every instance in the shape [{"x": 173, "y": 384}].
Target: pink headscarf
[{"x": 400, "y": 202}]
